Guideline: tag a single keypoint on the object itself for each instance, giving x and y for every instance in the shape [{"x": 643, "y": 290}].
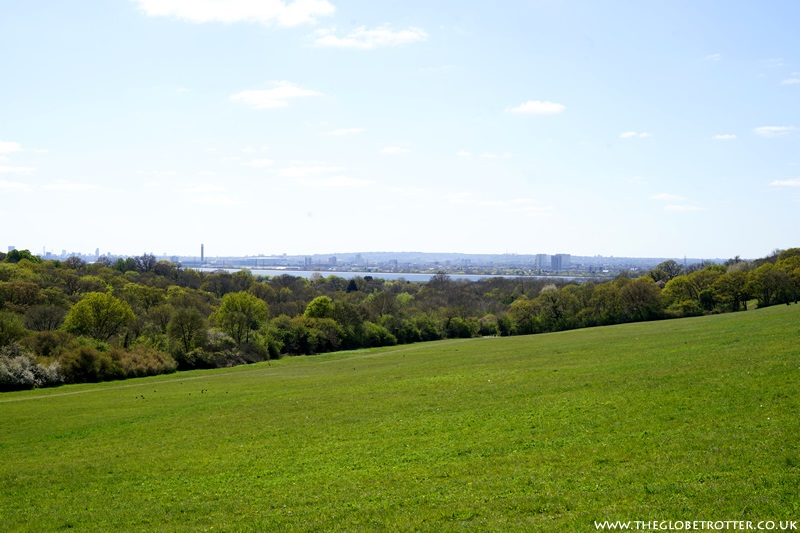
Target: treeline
[{"x": 69, "y": 321}]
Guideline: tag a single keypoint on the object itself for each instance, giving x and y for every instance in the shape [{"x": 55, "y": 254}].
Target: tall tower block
[{"x": 202, "y": 253}]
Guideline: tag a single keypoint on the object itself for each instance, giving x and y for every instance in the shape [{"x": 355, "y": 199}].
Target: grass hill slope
[{"x": 692, "y": 419}]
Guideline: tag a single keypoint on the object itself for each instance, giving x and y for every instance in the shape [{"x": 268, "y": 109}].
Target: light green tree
[
  {"x": 241, "y": 313},
  {"x": 319, "y": 307},
  {"x": 99, "y": 315}
]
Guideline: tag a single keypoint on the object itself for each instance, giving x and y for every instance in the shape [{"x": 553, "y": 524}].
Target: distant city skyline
[{"x": 658, "y": 129}]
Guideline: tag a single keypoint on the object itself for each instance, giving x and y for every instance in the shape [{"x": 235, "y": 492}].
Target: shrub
[
  {"x": 49, "y": 343},
  {"x": 142, "y": 361},
  {"x": 87, "y": 364},
  {"x": 20, "y": 371},
  {"x": 376, "y": 335},
  {"x": 11, "y": 328}
]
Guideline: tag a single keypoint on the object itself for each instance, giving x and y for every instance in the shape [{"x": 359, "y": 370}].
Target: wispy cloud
[
  {"x": 252, "y": 150},
  {"x": 335, "y": 182},
  {"x": 302, "y": 170},
  {"x": 634, "y": 135},
  {"x": 14, "y": 186},
  {"x": 682, "y": 208},
  {"x": 791, "y": 81},
  {"x": 490, "y": 155},
  {"x": 528, "y": 206},
  {"x": 394, "y": 150},
  {"x": 265, "y": 12},
  {"x": 676, "y": 203},
  {"x": 774, "y": 131},
  {"x": 792, "y": 182},
  {"x": 666, "y": 197},
  {"x": 157, "y": 173},
  {"x": 411, "y": 191},
  {"x": 7, "y": 147},
  {"x": 724, "y": 137},
  {"x": 774, "y": 62},
  {"x": 4, "y": 169},
  {"x": 366, "y": 39},
  {"x": 204, "y": 188},
  {"x": 62, "y": 185},
  {"x": 464, "y": 153},
  {"x": 713, "y": 57},
  {"x": 274, "y": 98},
  {"x": 261, "y": 163},
  {"x": 342, "y": 132},
  {"x": 210, "y": 194},
  {"x": 537, "y": 107}
]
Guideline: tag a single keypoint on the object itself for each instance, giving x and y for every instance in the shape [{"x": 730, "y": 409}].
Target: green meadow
[{"x": 691, "y": 419}]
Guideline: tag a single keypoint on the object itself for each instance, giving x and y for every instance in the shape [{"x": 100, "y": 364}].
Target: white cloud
[
  {"x": 341, "y": 132},
  {"x": 181, "y": 90},
  {"x": 261, "y": 163},
  {"x": 793, "y": 182},
  {"x": 638, "y": 180},
  {"x": 303, "y": 170},
  {"x": 791, "y": 81},
  {"x": 62, "y": 185},
  {"x": 204, "y": 188},
  {"x": 682, "y": 208},
  {"x": 9, "y": 147},
  {"x": 276, "y": 97},
  {"x": 537, "y": 107},
  {"x": 17, "y": 170},
  {"x": 634, "y": 135},
  {"x": 774, "y": 131},
  {"x": 251, "y": 150},
  {"x": 14, "y": 186},
  {"x": 4, "y": 159},
  {"x": 713, "y": 57},
  {"x": 394, "y": 150},
  {"x": 264, "y": 12},
  {"x": 411, "y": 191},
  {"x": 464, "y": 153},
  {"x": 335, "y": 181},
  {"x": 490, "y": 155},
  {"x": 157, "y": 173},
  {"x": 367, "y": 39},
  {"x": 528, "y": 206},
  {"x": 221, "y": 200},
  {"x": 666, "y": 197},
  {"x": 724, "y": 137},
  {"x": 774, "y": 62}
]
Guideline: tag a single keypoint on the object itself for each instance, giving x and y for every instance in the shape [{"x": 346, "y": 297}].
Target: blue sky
[{"x": 625, "y": 128}]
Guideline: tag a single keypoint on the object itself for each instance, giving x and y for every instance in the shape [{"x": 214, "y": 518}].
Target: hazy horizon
[{"x": 623, "y": 129}]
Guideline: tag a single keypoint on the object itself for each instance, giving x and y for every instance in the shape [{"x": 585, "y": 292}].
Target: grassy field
[{"x": 693, "y": 419}]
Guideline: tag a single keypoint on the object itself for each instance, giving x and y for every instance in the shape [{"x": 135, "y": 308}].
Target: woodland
[{"x": 73, "y": 322}]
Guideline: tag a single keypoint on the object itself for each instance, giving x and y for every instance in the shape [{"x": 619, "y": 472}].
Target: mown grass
[{"x": 693, "y": 419}]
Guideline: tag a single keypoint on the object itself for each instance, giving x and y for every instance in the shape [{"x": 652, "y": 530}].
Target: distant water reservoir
[{"x": 382, "y": 275}]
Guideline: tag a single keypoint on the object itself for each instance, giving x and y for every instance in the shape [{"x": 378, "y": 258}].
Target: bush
[
  {"x": 142, "y": 361},
  {"x": 87, "y": 364},
  {"x": 49, "y": 343},
  {"x": 376, "y": 335},
  {"x": 11, "y": 328},
  {"x": 20, "y": 371}
]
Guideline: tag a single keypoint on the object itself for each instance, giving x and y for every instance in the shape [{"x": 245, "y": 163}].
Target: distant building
[
  {"x": 560, "y": 262},
  {"x": 332, "y": 261},
  {"x": 541, "y": 262},
  {"x": 12, "y": 248}
]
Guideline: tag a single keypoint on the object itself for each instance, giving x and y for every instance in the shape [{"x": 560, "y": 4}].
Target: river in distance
[{"x": 408, "y": 276}]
